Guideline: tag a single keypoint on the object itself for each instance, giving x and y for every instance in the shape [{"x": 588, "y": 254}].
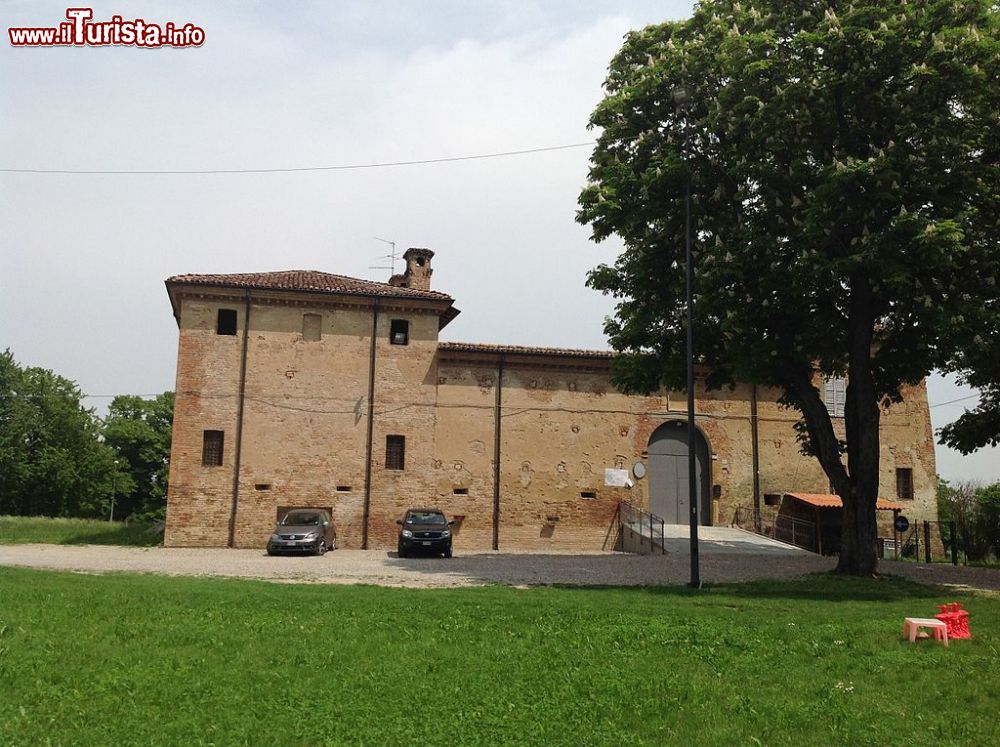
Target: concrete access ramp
[{"x": 725, "y": 541}]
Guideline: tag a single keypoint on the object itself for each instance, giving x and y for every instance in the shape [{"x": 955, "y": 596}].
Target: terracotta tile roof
[
  {"x": 825, "y": 500},
  {"x": 475, "y": 347},
  {"x": 310, "y": 281}
]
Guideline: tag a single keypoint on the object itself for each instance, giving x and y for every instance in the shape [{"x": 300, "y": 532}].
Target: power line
[
  {"x": 62, "y": 395},
  {"x": 112, "y": 396},
  {"x": 507, "y": 411},
  {"x": 953, "y": 401},
  {"x": 291, "y": 170},
  {"x": 57, "y": 395}
]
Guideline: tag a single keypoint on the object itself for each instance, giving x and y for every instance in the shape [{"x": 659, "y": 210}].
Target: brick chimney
[{"x": 418, "y": 270}]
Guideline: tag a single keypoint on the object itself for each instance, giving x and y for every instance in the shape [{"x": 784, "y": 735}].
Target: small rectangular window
[
  {"x": 835, "y": 395},
  {"x": 772, "y": 499},
  {"x": 460, "y": 491},
  {"x": 225, "y": 323},
  {"x": 211, "y": 448},
  {"x": 262, "y": 486},
  {"x": 588, "y": 494},
  {"x": 343, "y": 488},
  {"x": 312, "y": 327},
  {"x": 904, "y": 484},
  {"x": 399, "y": 332},
  {"x": 395, "y": 452}
]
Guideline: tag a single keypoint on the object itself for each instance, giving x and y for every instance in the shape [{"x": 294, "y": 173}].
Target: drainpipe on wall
[
  {"x": 371, "y": 415},
  {"x": 755, "y": 450},
  {"x": 239, "y": 422},
  {"x": 496, "y": 456}
]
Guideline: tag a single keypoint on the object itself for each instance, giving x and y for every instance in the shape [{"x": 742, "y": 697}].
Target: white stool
[{"x": 912, "y": 624}]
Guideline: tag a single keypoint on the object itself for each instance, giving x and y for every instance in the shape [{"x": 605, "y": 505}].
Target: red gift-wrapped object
[{"x": 956, "y": 619}]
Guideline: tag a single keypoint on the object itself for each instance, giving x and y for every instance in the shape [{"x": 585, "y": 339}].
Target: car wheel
[
  {"x": 321, "y": 547},
  {"x": 400, "y": 551},
  {"x": 447, "y": 553},
  {"x": 270, "y": 552},
  {"x": 333, "y": 543}
]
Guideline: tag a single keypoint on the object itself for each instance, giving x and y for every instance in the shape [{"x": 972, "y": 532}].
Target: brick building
[{"x": 303, "y": 388}]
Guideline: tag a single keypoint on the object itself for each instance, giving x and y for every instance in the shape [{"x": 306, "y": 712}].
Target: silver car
[{"x": 303, "y": 530}]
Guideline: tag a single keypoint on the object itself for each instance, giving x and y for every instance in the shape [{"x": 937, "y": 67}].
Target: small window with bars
[
  {"x": 395, "y": 452},
  {"x": 211, "y": 448},
  {"x": 835, "y": 396},
  {"x": 904, "y": 483},
  {"x": 399, "y": 332}
]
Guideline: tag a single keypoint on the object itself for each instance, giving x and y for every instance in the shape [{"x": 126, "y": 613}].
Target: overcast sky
[{"x": 293, "y": 84}]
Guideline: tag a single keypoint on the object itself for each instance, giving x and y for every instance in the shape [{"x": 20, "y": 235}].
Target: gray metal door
[{"x": 668, "y": 474}]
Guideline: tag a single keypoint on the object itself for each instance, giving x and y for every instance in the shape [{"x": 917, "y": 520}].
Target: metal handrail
[
  {"x": 911, "y": 543},
  {"x": 795, "y": 531},
  {"x": 740, "y": 518},
  {"x": 638, "y": 520},
  {"x": 789, "y": 529}
]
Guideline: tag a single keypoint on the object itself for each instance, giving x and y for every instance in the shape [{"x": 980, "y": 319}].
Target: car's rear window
[
  {"x": 425, "y": 517},
  {"x": 294, "y": 518}
]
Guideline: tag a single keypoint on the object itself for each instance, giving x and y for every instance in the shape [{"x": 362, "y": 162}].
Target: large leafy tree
[
  {"x": 139, "y": 429},
  {"x": 980, "y": 426},
  {"x": 52, "y": 461},
  {"x": 842, "y": 158}
]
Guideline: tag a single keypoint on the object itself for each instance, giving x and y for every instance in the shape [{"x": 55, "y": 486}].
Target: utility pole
[{"x": 114, "y": 490}]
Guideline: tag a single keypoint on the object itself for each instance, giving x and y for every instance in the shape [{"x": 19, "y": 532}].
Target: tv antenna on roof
[{"x": 391, "y": 256}]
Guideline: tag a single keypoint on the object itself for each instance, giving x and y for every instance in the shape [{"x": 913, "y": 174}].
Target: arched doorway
[{"x": 669, "y": 494}]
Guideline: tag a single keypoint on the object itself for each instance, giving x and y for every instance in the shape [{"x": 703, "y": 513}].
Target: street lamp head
[{"x": 681, "y": 98}]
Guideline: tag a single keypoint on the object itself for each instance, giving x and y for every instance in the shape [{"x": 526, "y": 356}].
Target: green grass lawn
[
  {"x": 111, "y": 659},
  {"x": 23, "y": 529}
]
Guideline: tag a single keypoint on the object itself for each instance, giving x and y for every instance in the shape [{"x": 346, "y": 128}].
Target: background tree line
[
  {"x": 58, "y": 458},
  {"x": 975, "y": 509}
]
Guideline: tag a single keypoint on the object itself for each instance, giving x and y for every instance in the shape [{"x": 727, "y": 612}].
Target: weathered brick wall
[
  {"x": 462, "y": 453},
  {"x": 304, "y": 421},
  {"x": 560, "y": 430},
  {"x": 198, "y": 503},
  {"x": 908, "y": 441},
  {"x": 562, "y": 424},
  {"x": 406, "y": 382}
]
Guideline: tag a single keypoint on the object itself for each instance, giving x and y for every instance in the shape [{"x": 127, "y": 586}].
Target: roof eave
[
  {"x": 311, "y": 291},
  {"x": 173, "y": 303},
  {"x": 523, "y": 351},
  {"x": 446, "y": 316}
]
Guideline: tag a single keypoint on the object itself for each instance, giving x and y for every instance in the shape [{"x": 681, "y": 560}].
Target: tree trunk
[
  {"x": 858, "y": 534},
  {"x": 857, "y": 482},
  {"x": 858, "y": 555}
]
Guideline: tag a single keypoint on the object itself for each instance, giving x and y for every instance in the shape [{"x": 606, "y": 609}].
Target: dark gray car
[
  {"x": 424, "y": 530},
  {"x": 303, "y": 530}
]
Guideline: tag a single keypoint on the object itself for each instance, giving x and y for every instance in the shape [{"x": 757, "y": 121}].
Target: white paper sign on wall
[{"x": 617, "y": 478}]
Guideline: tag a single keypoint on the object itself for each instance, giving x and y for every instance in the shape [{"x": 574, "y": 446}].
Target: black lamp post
[
  {"x": 114, "y": 491},
  {"x": 682, "y": 102}
]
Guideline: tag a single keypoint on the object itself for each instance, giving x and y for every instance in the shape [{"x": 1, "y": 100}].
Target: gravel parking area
[{"x": 527, "y": 569}]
